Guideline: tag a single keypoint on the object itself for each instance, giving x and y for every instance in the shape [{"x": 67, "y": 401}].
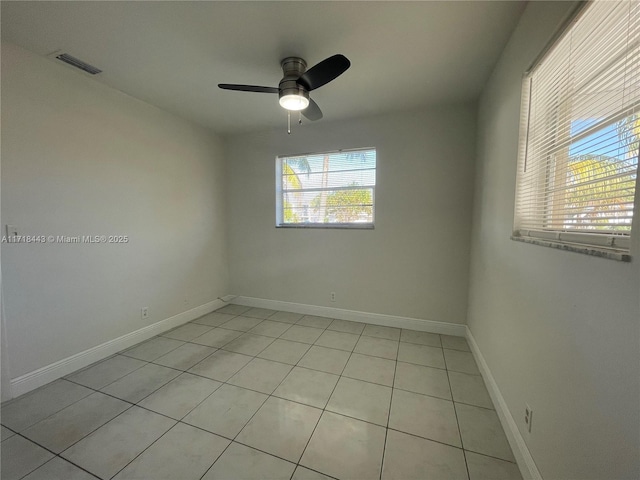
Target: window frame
[
  {"x": 335, "y": 225},
  {"x": 606, "y": 244}
]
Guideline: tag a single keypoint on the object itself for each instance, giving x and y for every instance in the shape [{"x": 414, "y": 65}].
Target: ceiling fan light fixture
[
  {"x": 293, "y": 90},
  {"x": 294, "y": 102}
]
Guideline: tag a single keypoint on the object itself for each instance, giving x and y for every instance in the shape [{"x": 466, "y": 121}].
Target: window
[
  {"x": 329, "y": 189},
  {"x": 580, "y": 126}
]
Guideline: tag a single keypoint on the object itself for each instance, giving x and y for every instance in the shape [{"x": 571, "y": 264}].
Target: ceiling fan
[{"x": 297, "y": 82}]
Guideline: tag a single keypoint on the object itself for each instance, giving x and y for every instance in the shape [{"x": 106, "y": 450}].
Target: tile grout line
[
  {"x": 258, "y": 409},
  {"x": 131, "y": 404},
  {"x": 119, "y": 378},
  {"x": 64, "y": 460},
  {"x": 151, "y": 393},
  {"x": 94, "y": 390},
  {"x": 307, "y": 368},
  {"x": 97, "y": 428},
  {"x": 145, "y": 449},
  {"x": 253, "y": 390},
  {"x": 232, "y": 440},
  {"x": 256, "y": 412},
  {"x": 455, "y": 412},
  {"x": 84, "y": 436},
  {"x": 328, "y": 400},
  {"x": 341, "y": 375},
  {"x": 269, "y": 395},
  {"x": 78, "y": 466},
  {"x": 56, "y": 412},
  {"x": 59, "y": 455},
  {"x": 176, "y": 423},
  {"x": 292, "y": 366},
  {"x": 124, "y": 352},
  {"x": 386, "y": 431},
  {"x": 217, "y": 458}
]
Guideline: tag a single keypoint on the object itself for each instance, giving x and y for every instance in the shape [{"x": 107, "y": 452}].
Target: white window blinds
[
  {"x": 326, "y": 189},
  {"x": 580, "y": 127}
]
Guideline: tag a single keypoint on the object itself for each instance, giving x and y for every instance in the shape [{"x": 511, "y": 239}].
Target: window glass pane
[
  {"x": 601, "y": 178},
  {"x": 328, "y": 188}
]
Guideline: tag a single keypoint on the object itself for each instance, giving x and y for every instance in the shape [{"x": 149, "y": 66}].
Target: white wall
[
  {"x": 559, "y": 330},
  {"x": 79, "y": 158},
  {"x": 413, "y": 264}
]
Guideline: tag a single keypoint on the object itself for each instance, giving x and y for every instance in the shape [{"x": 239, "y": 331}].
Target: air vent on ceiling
[{"x": 75, "y": 62}]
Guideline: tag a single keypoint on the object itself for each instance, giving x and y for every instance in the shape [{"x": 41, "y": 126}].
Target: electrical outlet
[
  {"x": 528, "y": 417},
  {"x": 144, "y": 312},
  {"x": 333, "y": 296}
]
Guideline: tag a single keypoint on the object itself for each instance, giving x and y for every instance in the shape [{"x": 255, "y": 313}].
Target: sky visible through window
[{"x": 599, "y": 142}]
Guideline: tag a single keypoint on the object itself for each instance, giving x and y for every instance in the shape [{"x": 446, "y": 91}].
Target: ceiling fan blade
[
  {"x": 312, "y": 112},
  {"x": 248, "y": 88},
  {"x": 324, "y": 72}
]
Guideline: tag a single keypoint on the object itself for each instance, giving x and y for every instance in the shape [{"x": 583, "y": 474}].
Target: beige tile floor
[{"x": 256, "y": 394}]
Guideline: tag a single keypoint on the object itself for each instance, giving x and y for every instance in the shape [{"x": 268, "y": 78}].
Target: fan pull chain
[
  {"x": 299, "y": 117},
  {"x": 289, "y": 122}
]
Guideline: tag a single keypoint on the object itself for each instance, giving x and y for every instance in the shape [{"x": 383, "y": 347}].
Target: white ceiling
[{"x": 173, "y": 54}]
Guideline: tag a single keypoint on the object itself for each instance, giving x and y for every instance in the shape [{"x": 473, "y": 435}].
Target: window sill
[
  {"x": 343, "y": 226},
  {"x": 602, "y": 252}
]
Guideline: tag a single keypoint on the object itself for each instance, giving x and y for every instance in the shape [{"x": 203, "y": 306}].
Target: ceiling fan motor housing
[{"x": 293, "y": 68}]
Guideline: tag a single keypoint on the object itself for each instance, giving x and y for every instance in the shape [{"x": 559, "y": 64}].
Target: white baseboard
[
  {"x": 431, "y": 326},
  {"x": 32, "y": 380},
  {"x": 525, "y": 461}
]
